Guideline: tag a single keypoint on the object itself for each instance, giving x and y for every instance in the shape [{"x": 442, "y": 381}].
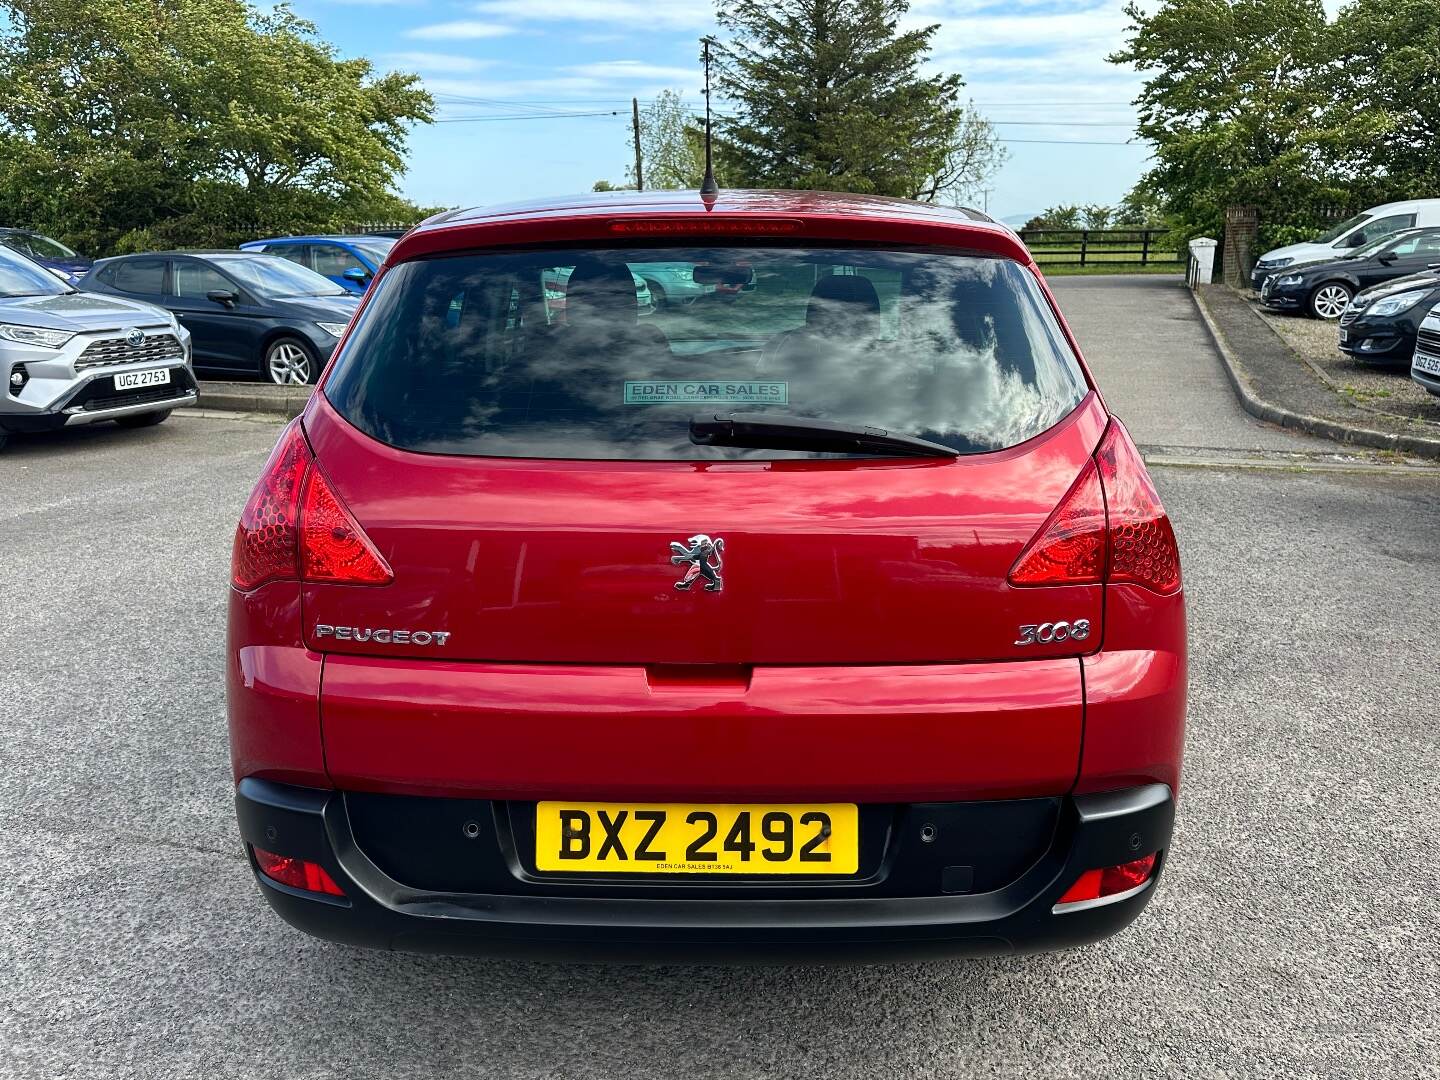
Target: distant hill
[{"x": 1016, "y": 220}]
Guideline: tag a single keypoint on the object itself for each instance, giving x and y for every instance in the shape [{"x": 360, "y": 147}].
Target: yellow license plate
[{"x": 678, "y": 838}]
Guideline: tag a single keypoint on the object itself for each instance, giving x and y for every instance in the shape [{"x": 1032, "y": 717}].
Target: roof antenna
[{"x": 708, "y": 186}]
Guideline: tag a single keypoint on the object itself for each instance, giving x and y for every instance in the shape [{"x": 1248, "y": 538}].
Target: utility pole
[
  {"x": 986, "y": 192},
  {"x": 635, "y": 117}
]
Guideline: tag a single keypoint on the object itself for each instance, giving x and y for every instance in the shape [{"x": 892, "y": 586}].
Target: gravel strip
[{"x": 1385, "y": 389}]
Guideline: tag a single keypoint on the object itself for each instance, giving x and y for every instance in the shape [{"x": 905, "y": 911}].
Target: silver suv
[
  {"x": 69, "y": 357},
  {"x": 1425, "y": 365}
]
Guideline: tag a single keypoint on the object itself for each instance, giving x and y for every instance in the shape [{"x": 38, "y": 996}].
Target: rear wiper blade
[{"x": 763, "y": 431}]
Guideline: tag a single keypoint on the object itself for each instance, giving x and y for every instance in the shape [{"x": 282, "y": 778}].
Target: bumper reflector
[
  {"x": 297, "y": 873},
  {"x": 1111, "y": 881}
]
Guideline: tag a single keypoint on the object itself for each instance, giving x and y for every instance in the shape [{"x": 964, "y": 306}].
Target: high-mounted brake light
[
  {"x": 1109, "y": 527},
  {"x": 295, "y": 528},
  {"x": 705, "y": 226},
  {"x": 297, "y": 873},
  {"x": 1110, "y": 881}
]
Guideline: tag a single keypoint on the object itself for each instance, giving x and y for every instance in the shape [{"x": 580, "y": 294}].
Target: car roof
[
  {"x": 746, "y": 200},
  {"x": 360, "y": 238},
  {"x": 1404, "y": 204},
  {"x": 1413, "y": 230},
  {"x": 592, "y": 216},
  {"x": 202, "y": 253}
]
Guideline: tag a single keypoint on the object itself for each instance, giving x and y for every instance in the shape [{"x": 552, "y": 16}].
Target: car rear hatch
[
  {"x": 860, "y": 562},
  {"x": 536, "y": 638}
]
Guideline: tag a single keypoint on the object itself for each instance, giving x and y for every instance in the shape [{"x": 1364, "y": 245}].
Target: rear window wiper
[{"x": 766, "y": 432}]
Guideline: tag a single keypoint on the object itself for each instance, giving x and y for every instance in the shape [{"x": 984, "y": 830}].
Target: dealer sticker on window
[{"x": 681, "y": 392}]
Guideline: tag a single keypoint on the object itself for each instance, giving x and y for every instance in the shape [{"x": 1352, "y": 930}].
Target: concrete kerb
[{"x": 1351, "y": 434}]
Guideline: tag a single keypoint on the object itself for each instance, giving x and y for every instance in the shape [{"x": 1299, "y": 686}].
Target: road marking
[{"x": 1348, "y": 461}]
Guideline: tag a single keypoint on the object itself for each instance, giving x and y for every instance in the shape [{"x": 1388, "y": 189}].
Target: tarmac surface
[{"x": 1294, "y": 934}]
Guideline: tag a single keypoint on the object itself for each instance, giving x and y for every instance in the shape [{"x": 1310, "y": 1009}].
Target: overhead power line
[{"x": 522, "y": 116}]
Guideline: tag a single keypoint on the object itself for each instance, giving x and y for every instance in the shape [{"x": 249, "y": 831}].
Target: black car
[
  {"x": 247, "y": 313},
  {"x": 1323, "y": 290},
  {"x": 1381, "y": 323}
]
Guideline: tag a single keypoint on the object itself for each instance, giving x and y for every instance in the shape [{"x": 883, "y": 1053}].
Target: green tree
[
  {"x": 1384, "y": 82},
  {"x": 142, "y": 122},
  {"x": 672, "y": 145},
  {"x": 829, "y": 94},
  {"x": 1141, "y": 206},
  {"x": 1056, "y": 217},
  {"x": 1235, "y": 106}
]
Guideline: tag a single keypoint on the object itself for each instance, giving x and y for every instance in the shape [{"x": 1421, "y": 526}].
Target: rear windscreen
[{"x": 598, "y": 354}]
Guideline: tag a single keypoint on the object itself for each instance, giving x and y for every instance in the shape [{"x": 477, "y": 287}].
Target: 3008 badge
[{"x": 1046, "y": 633}]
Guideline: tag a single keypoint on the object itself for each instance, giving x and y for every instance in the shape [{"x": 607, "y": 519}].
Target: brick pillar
[{"x": 1238, "y": 259}]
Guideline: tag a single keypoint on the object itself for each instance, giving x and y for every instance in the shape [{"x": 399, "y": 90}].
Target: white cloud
[
  {"x": 440, "y": 63},
  {"x": 644, "y": 14},
  {"x": 460, "y": 30}
]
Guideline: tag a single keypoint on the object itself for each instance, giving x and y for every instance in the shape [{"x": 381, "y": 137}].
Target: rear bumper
[{"x": 603, "y": 920}]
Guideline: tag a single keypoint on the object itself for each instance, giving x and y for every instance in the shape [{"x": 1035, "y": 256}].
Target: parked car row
[
  {"x": 1378, "y": 275},
  {"x": 1324, "y": 288},
  {"x": 123, "y": 338},
  {"x": 1347, "y": 237},
  {"x": 248, "y": 313}
]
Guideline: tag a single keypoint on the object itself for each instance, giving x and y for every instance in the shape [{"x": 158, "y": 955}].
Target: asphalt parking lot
[{"x": 1294, "y": 934}]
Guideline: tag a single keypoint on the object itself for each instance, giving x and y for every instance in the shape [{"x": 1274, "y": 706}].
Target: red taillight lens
[
  {"x": 1142, "y": 543},
  {"x": 297, "y": 873},
  {"x": 295, "y": 528},
  {"x": 1069, "y": 549},
  {"x": 1109, "y": 527},
  {"x": 1094, "y": 884},
  {"x": 333, "y": 547},
  {"x": 265, "y": 538}
]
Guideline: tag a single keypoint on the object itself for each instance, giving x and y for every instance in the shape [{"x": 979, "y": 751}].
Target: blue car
[
  {"x": 50, "y": 254},
  {"x": 349, "y": 261}
]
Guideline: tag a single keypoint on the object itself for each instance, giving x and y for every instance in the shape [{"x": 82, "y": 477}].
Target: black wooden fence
[{"x": 1093, "y": 247}]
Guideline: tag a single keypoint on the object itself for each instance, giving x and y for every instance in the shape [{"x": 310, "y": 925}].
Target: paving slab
[{"x": 1158, "y": 367}]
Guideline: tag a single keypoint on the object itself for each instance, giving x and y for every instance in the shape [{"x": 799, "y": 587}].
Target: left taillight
[
  {"x": 294, "y": 527},
  {"x": 265, "y": 540}
]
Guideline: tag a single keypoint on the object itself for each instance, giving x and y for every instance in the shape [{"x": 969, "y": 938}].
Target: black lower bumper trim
[{"x": 1097, "y": 830}]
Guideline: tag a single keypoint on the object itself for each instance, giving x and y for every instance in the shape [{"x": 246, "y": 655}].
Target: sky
[{"x": 1035, "y": 68}]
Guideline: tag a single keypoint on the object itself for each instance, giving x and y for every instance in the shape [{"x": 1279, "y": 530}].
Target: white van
[{"x": 1374, "y": 223}]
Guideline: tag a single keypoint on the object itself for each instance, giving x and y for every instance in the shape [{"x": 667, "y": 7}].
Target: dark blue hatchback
[
  {"x": 349, "y": 261},
  {"x": 248, "y": 314}
]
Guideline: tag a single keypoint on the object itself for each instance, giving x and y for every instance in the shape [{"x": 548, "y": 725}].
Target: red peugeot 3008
[{"x": 838, "y": 618}]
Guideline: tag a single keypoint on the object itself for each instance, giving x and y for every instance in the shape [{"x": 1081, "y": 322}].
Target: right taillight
[
  {"x": 295, "y": 528},
  {"x": 1109, "y": 527}
]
